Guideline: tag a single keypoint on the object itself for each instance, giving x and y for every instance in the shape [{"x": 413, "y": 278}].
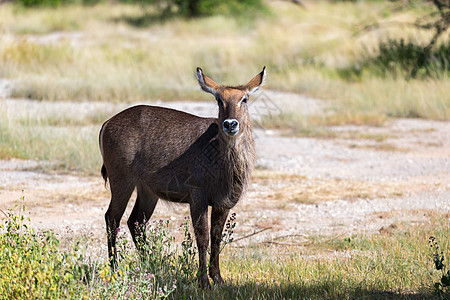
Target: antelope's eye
[{"x": 244, "y": 100}]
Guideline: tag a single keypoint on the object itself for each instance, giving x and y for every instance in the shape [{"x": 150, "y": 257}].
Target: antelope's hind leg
[
  {"x": 142, "y": 211},
  {"x": 121, "y": 191}
]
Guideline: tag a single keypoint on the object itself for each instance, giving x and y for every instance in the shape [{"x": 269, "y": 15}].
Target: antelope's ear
[
  {"x": 206, "y": 83},
  {"x": 256, "y": 82}
]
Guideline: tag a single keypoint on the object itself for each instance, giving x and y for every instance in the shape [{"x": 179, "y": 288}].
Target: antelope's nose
[{"x": 231, "y": 126}]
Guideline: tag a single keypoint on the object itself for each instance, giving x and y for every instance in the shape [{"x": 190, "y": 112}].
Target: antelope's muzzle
[{"x": 231, "y": 127}]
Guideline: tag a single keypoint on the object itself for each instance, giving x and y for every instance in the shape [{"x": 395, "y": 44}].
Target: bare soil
[{"x": 366, "y": 180}]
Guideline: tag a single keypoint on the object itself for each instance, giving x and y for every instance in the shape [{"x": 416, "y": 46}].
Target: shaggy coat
[{"x": 175, "y": 156}]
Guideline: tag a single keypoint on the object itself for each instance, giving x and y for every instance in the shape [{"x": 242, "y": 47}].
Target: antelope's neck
[
  {"x": 241, "y": 150},
  {"x": 237, "y": 165}
]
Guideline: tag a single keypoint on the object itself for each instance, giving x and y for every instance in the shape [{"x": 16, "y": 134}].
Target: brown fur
[{"x": 171, "y": 155}]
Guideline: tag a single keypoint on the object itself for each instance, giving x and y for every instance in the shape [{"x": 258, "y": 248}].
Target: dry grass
[
  {"x": 382, "y": 147},
  {"x": 288, "y": 188},
  {"x": 299, "y": 124},
  {"x": 105, "y": 58},
  {"x": 69, "y": 143},
  {"x": 400, "y": 98}
]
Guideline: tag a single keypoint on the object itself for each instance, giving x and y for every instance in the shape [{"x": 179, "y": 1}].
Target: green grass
[{"x": 397, "y": 263}]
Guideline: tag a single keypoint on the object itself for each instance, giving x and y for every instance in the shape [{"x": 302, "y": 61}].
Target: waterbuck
[{"x": 175, "y": 156}]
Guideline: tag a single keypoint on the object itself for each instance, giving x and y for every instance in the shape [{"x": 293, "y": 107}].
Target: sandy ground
[{"x": 367, "y": 179}]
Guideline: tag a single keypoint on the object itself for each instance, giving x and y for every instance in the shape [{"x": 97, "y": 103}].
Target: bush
[
  {"x": 399, "y": 58},
  {"x": 34, "y": 3},
  {"x": 404, "y": 56},
  {"x": 441, "y": 287},
  {"x": 32, "y": 266},
  {"x": 196, "y": 8},
  {"x": 53, "y": 3},
  {"x": 210, "y": 7}
]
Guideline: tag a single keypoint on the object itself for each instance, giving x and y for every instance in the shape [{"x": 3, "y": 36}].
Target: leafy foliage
[
  {"x": 441, "y": 287},
  {"x": 54, "y": 3},
  {"x": 165, "y": 8},
  {"x": 405, "y": 56},
  {"x": 32, "y": 266},
  {"x": 196, "y": 8},
  {"x": 399, "y": 58}
]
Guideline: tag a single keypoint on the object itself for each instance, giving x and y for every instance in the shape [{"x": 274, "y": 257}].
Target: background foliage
[{"x": 166, "y": 8}]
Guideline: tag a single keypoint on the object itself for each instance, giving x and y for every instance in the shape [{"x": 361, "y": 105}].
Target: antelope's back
[{"x": 150, "y": 136}]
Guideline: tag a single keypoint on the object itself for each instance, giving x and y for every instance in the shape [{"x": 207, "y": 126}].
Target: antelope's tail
[{"x": 104, "y": 173}]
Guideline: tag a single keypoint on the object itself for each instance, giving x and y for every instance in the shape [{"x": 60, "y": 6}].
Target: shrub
[
  {"x": 35, "y": 3},
  {"x": 32, "y": 266},
  {"x": 53, "y": 3},
  {"x": 441, "y": 287},
  {"x": 399, "y": 58},
  {"x": 196, "y": 8},
  {"x": 404, "y": 56}
]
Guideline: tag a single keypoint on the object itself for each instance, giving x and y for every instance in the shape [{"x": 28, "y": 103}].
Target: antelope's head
[{"x": 232, "y": 100}]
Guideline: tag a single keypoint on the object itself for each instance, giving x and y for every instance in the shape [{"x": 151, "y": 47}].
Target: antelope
[{"x": 179, "y": 157}]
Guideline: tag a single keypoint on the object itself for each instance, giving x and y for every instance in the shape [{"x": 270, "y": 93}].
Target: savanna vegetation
[
  {"x": 361, "y": 57},
  {"x": 391, "y": 265},
  {"x": 357, "y": 56}
]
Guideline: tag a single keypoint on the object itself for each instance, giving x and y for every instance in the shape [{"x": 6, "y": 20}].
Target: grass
[
  {"x": 112, "y": 60},
  {"x": 296, "y": 123},
  {"x": 290, "y": 188},
  {"x": 396, "y": 263},
  {"x": 69, "y": 143}
]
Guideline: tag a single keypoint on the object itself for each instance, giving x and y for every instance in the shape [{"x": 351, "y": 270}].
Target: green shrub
[
  {"x": 35, "y": 3},
  {"x": 210, "y": 7},
  {"x": 32, "y": 266},
  {"x": 54, "y": 3},
  {"x": 400, "y": 55},
  {"x": 442, "y": 287},
  {"x": 399, "y": 58},
  {"x": 195, "y": 8}
]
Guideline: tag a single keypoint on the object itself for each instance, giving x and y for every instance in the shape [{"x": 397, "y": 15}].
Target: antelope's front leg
[
  {"x": 199, "y": 214},
  {"x": 218, "y": 218}
]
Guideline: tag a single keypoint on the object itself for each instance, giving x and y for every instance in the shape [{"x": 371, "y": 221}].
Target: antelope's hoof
[
  {"x": 218, "y": 280},
  {"x": 204, "y": 282}
]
